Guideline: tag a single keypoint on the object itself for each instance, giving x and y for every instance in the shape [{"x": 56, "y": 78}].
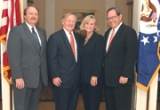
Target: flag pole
[
  {"x": 5, "y": 86},
  {"x": 141, "y": 99},
  {"x": 153, "y": 94},
  {"x": 154, "y": 86},
  {"x": 5, "y": 25},
  {"x": 22, "y": 5},
  {"x": 145, "y": 99},
  {"x": 140, "y": 95}
]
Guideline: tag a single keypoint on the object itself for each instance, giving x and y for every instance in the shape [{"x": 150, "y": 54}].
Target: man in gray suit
[{"x": 27, "y": 58}]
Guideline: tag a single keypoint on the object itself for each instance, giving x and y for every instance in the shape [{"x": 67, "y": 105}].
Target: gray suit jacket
[{"x": 25, "y": 59}]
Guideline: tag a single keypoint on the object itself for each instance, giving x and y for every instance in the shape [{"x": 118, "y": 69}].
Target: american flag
[
  {"x": 149, "y": 36},
  {"x": 10, "y": 16},
  {"x": 148, "y": 60}
]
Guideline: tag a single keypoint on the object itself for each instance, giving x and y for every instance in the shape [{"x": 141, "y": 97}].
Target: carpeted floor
[
  {"x": 49, "y": 105},
  {"x": 46, "y": 102}
]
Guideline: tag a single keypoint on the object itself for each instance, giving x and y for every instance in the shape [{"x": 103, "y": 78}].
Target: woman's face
[{"x": 90, "y": 25}]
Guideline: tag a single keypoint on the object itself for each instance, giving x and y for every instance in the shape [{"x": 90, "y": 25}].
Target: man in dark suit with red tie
[
  {"x": 120, "y": 58},
  {"x": 63, "y": 64}
]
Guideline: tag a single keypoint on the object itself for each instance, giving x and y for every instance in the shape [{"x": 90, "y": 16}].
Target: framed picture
[{"x": 30, "y": 1}]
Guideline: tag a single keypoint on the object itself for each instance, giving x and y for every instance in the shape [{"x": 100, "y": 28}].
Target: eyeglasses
[{"x": 112, "y": 17}]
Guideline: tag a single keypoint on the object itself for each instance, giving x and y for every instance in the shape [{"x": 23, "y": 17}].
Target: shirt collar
[
  {"x": 30, "y": 27},
  {"x": 67, "y": 32},
  {"x": 116, "y": 29}
]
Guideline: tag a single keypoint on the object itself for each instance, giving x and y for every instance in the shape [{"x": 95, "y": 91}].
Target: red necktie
[
  {"x": 72, "y": 43},
  {"x": 111, "y": 38}
]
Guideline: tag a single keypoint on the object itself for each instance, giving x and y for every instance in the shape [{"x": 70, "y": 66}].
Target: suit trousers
[
  {"x": 26, "y": 98},
  {"x": 91, "y": 96},
  {"x": 65, "y": 98},
  {"x": 118, "y": 98}
]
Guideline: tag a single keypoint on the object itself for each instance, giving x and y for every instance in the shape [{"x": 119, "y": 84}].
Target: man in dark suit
[
  {"x": 27, "y": 59},
  {"x": 63, "y": 64},
  {"x": 120, "y": 58}
]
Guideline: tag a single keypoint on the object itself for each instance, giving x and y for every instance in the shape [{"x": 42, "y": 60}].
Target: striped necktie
[
  {"x": 72, "y": 43},
  {"x": 35, "y": 37},
  {"x": 111, "y": 38}
]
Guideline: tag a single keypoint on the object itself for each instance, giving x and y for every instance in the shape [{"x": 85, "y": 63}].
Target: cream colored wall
[
  {"x": 81, "y": 5},
  {"x": 40, "y": 4},
  {"x": 50, "y": 16},
  {"x": 125, "y": 10},
  {"x": 51, "y": 11}
]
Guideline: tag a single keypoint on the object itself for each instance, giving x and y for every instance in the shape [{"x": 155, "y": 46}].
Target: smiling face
[
  {"x": 90, "y": 25},
  {"x": 69, "y": 22},
  {"x": 113, "y": 18},
  {"x": 31, "y": 15}
]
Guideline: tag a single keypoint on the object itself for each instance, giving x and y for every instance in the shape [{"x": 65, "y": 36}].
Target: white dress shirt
[{"x": 75, "y": 43}]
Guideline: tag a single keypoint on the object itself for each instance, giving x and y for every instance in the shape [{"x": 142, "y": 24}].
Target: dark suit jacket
[
  {"x": 25, "y": 59},
  {"x": 91, "y": 56},
  {"x": 61, "y": 61},
  {"x": 121, "y": 56}
]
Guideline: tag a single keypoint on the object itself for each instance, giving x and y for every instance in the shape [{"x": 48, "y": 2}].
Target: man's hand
[
  {"x": 19, "y": 83},
  {"x": 123, "y": 80},
  {"x": 93, "y": 81},
  {"x": 57, "y": 81}
]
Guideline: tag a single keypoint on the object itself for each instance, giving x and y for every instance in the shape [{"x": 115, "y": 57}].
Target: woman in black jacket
[{"x": 91, "y": 57}]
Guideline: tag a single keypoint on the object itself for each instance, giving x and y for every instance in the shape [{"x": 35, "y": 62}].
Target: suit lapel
[
  {"x": 116, "y": 37},
  {"x": 66, "y": 42},
  {"x": 43, "y": 41},
  {"x": 107, "y": 36},
  {"x": 106, "y": 39},
  {"x": 29, "y": 37}
]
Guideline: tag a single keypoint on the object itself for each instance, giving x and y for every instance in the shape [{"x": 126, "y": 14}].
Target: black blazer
[
  {"x": 91, "y": 58},
  {"x": 61, "y": 61},
  {"x": 121, "y": 56}
]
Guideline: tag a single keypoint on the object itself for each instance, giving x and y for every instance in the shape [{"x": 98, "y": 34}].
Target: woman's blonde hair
[{"x": 86, "y": 20}]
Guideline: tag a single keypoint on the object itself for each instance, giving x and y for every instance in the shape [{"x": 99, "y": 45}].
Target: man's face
[
  {"x": 31, "y": 16},
  {"x": 113, "y": 20},
  {"x": 69, "y": 22}
]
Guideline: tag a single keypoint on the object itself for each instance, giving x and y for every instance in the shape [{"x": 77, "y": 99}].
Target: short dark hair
[
  {"x": 114, "y": 8},
  {"x": 25, "y": 10}
]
